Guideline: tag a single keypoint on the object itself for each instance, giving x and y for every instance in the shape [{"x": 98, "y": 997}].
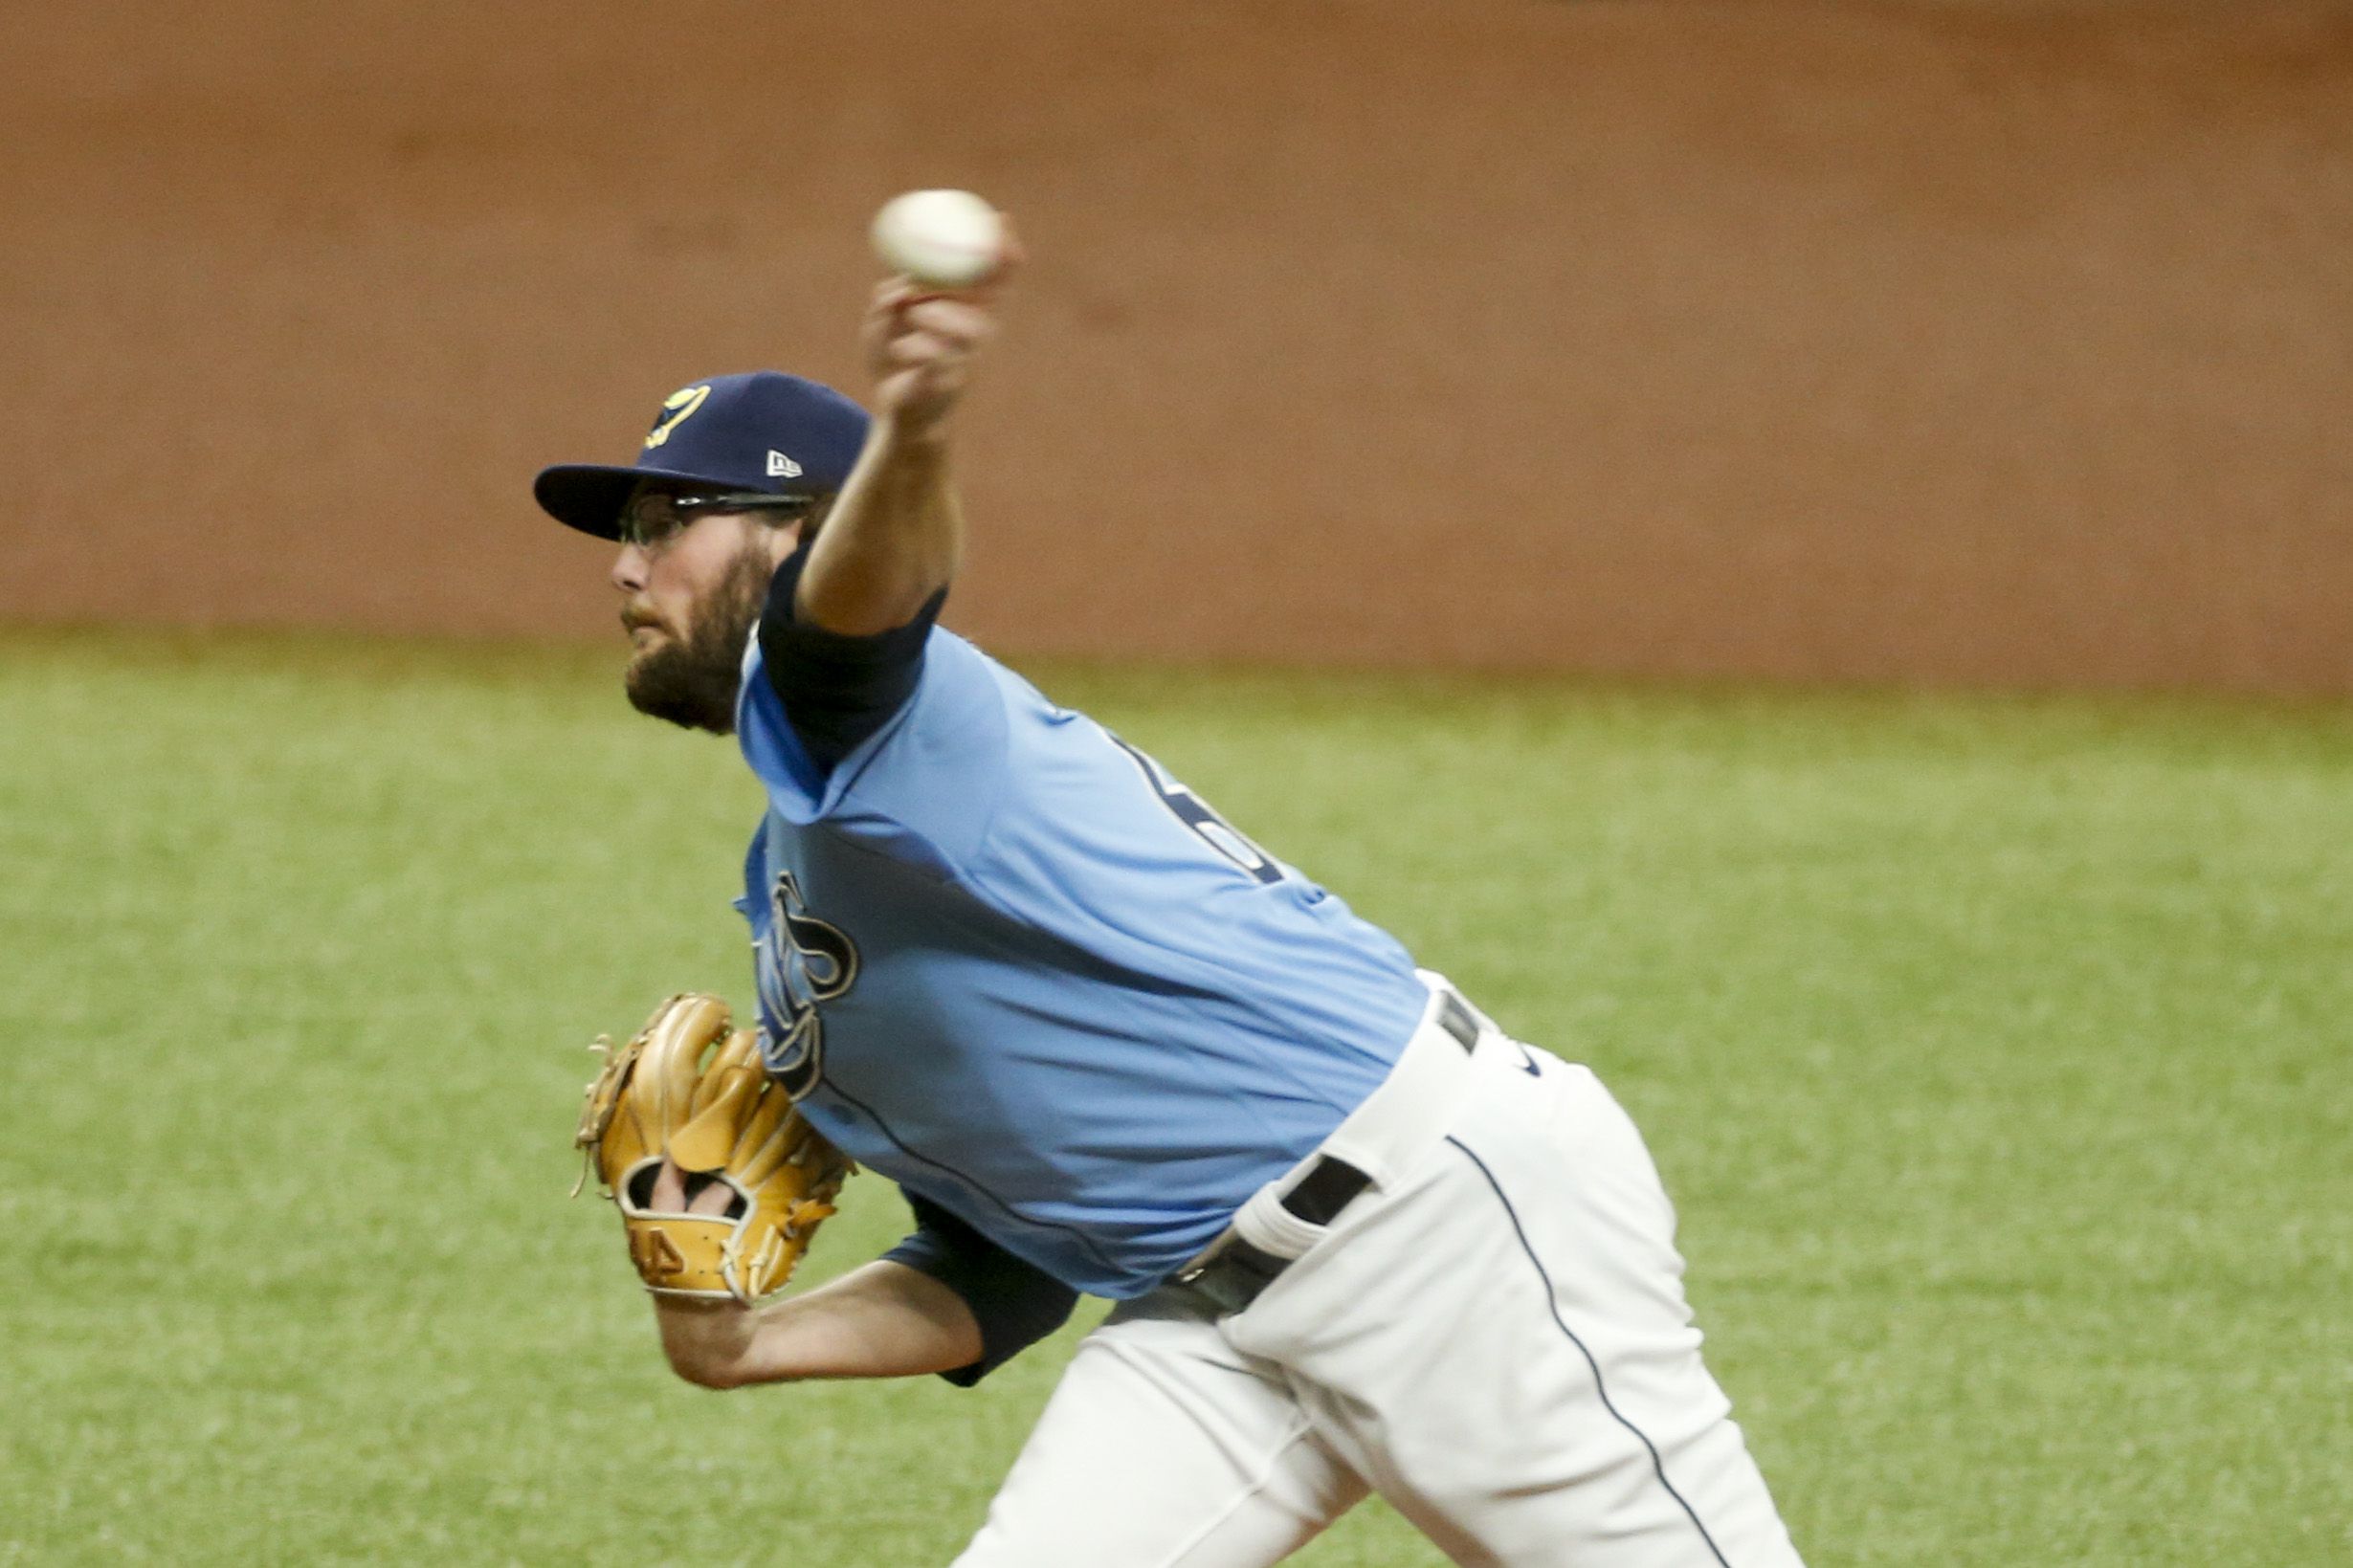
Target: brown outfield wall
[{"x": 1978, "y": 344}]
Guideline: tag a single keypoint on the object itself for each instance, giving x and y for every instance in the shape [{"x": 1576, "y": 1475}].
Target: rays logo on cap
[{"x": 677, "y": 407}]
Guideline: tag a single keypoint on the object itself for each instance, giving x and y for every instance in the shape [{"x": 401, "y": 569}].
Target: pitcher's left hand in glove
[{"x": 688, "y": 1098}]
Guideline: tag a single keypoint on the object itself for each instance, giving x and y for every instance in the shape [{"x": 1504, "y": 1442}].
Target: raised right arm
[{"x": 894, "y": 537}]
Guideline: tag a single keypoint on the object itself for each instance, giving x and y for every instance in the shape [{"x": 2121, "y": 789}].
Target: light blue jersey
[{"x": 1006, "y": 961}]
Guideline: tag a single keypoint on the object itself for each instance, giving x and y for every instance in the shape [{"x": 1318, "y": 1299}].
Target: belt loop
[{"x": 1456, "y": 1018}]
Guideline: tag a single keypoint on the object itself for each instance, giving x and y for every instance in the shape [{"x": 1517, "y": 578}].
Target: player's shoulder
[
  {"x": 931, "y": 770},
  {"x": 965, "y": 682},
  {"x": 959, "y": 652}
]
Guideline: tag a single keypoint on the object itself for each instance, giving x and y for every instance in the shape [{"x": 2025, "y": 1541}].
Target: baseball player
[{"x": 1361, "y": 1239}]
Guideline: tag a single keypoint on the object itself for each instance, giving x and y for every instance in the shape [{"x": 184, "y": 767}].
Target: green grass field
[{"x": 1996, "y": 1052}]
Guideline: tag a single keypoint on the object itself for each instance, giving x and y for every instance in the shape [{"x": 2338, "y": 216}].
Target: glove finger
[
  {"x": 655, "y": 1069},
  {"x": 774, "y": 1109},
  {"x": 772, "y": 1136},
  {"x": 767, "y": 1141},
  {"x": 740, "y": 1050},
  {"x": 682, "y": 1032},
  {"x": 704, "y": 1143}
]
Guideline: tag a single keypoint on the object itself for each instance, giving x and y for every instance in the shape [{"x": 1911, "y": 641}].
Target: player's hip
[{"x": 1458, "y": 1072}]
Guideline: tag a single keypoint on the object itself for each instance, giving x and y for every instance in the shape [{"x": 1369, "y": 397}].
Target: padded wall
[{"x": 1997, "y": 344}]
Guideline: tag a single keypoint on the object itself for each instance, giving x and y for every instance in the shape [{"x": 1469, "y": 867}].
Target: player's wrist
[{"x": 916, "y": 432}]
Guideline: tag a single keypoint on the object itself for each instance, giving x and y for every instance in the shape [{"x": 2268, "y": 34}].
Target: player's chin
[
  {"x": 646, "y": 647},
  {"x": 665, "y": 681}
]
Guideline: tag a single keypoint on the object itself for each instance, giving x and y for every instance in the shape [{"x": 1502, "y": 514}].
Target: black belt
[{"x": 1236, "y": 1272}]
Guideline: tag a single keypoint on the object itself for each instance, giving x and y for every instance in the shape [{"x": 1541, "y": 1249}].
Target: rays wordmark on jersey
[{"x": 803, "y": 962}]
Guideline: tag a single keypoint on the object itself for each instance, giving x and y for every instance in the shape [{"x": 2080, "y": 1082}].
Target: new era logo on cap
[{"x": 764, "y": 431}]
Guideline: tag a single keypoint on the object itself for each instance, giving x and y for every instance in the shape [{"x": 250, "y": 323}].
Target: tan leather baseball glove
[{"x": 691, "y": 1089}]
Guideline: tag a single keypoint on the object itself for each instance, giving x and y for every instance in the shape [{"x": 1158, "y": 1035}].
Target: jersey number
[{"x": 1203, "y": 819}]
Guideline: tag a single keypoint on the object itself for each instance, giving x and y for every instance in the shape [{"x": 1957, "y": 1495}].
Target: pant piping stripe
[{"x": 1659, "y": 1466}]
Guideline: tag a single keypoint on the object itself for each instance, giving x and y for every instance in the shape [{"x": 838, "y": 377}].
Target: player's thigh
[
  {"x": 1641, "y": 1464},
  {"x": 1503, "y": 1347},
  {"x": 1163, "y": 1448}
]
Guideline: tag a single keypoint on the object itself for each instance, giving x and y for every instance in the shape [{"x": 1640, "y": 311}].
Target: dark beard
[{"x": 692, "y": 682}]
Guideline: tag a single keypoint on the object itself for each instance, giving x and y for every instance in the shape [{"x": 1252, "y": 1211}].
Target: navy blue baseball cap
[{"x": 764, "y": 430}]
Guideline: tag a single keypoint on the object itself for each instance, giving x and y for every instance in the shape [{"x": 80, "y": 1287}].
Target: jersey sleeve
[
  {"x": 837, "y": 690},
  {"x": 922, "y": 786},
  {"x": 1016, "y": 1304}
]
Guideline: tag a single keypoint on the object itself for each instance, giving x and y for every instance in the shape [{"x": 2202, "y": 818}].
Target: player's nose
[{"x": 629, "y": 569}]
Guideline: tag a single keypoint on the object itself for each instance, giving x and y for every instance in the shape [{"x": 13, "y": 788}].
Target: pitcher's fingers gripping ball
[
  {"x": 943, "y": 239},
  {"x": 919, "y": 347},
  {"x": 951, "y": 253},
  {"x": 688, "y": 1095}
]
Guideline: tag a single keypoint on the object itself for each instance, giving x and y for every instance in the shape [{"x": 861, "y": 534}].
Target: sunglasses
[{"x": 653, "y": 517}]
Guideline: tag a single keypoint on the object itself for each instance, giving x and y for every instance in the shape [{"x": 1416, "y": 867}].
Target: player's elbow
[
  {"x": 722, "y": 1367},
  {"x": 706, "y": 1370},
  {"x": 707, "y": 1346}
]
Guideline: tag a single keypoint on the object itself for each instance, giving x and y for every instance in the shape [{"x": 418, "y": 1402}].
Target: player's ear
[
  {"x": 814, "y": 517},
  {"x": 780, "y": 536}
]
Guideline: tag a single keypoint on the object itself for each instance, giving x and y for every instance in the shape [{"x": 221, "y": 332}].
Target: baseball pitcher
[{"x": 1361, "y": 1239}]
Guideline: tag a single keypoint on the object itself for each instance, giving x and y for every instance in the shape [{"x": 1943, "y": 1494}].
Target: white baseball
[{"x": 946, "y": 239}]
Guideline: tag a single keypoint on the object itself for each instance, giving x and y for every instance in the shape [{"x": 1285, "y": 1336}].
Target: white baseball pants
[{"x": 1492, "y": 1336}]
